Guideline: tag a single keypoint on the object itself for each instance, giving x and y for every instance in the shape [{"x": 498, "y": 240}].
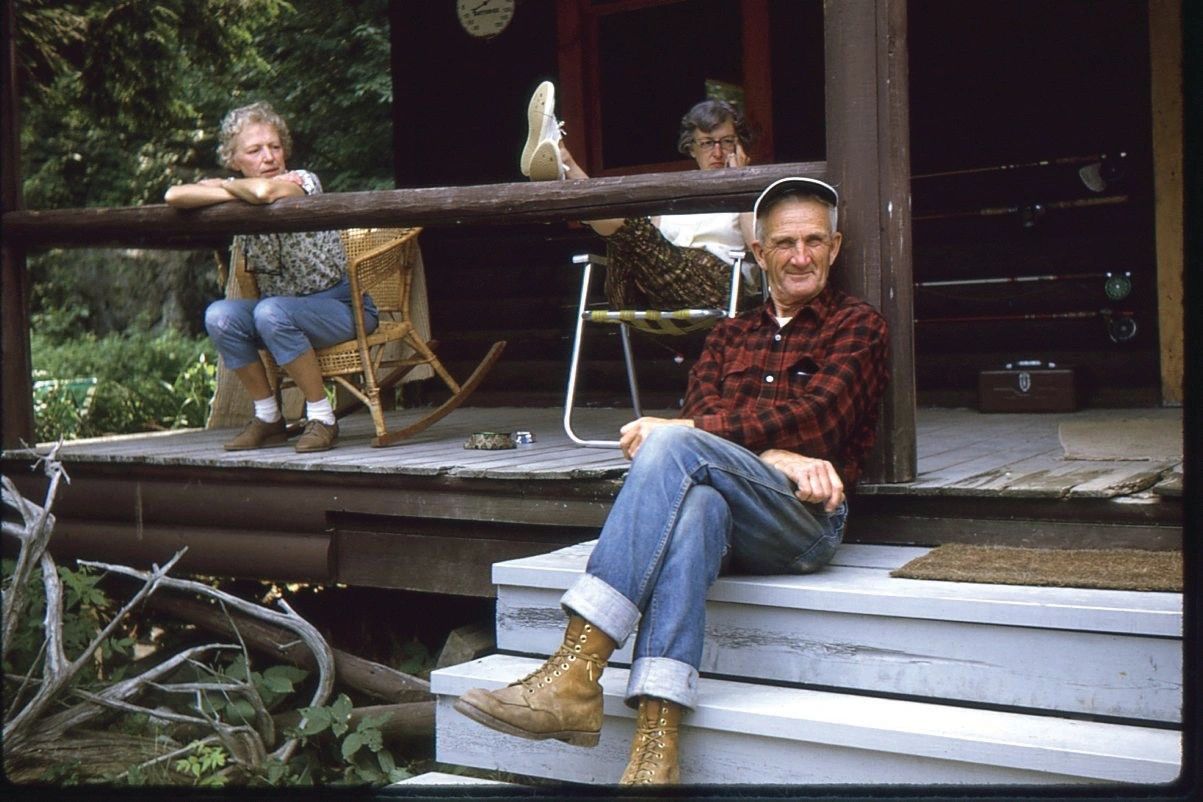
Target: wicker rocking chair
[
  {"x": 380, "y": 262},
  {"x": 671, "y": 322}
]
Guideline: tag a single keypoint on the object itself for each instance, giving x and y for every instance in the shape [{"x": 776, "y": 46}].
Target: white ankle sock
[
  {"x": 320, "y": 410},
  {"x": 267, "y": 410}
]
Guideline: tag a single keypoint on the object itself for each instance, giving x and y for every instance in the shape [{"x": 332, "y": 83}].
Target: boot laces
[
  {"x": 557, "y": 665},
  {"x": 650, "y": 753},
  {"x": 558, "y": 124}
]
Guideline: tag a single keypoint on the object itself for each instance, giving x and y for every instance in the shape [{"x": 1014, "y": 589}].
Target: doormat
[
  {"x": 1110, "y": 569},
  {"x": 1124, "y": 439}
]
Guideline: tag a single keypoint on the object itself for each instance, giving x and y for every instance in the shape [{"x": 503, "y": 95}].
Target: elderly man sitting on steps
[{"x": 781, "y": 408}]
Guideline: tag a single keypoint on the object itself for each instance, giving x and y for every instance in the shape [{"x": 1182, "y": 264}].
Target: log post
[
  {"x": 868, "y": 160},
  {"x": 16, "y": 384},
  {"x": 1165, "y": 67}
]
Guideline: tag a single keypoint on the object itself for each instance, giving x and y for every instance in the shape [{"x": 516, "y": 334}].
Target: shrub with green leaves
[
  {"x": 143, "y": 382},
  {"x": 86, "y": 609},
  {"x": 329, "y": 740}
]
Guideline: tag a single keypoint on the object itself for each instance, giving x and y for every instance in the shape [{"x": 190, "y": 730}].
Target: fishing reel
[
  {"x": 1117, "y": 286},
  {"x": 1121, "y": 326}
]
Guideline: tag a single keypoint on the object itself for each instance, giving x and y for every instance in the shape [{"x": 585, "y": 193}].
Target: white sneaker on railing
[
  {"x": 546, "y": 164},
  {"x": 541, "y": 154}
]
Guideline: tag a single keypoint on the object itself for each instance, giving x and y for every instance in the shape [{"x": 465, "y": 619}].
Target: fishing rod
[
  {"x": 1096, "y": 172},
  {"x": 1121, "y": 325},
  {"x": 1028, "y": 213},
  {"x": 1116, "y": 286}
]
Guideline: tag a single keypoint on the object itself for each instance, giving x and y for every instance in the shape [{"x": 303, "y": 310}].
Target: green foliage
[
  {"x": 122, "y": 99},
  {"x": 414, "y": 658},
  {"x": 117, "y": 101},
  {"x": 86, "y": 610},
  {"x": 100, "y": 291},
  {"x": 335, "y": 752},
  {"x": 335, "y": 90},
  {"x": 144, "y": 382},
  {"x": 203, "y": 763},
  {"x": 273, "y": 686}
]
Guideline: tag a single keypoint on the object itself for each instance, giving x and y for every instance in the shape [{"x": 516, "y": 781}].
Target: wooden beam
[
  {"x": 868, "y": 160},
  {"x": 16, "y": 394},
  {"x": 525, "y": 202},
  {"x": 571, "y": 82},
  {"x": 758, "y": 74},
  {"x": 1165, "y": 68}
]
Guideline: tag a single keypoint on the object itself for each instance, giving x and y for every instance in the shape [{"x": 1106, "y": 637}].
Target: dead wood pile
[{"x": 50, "y": 719}]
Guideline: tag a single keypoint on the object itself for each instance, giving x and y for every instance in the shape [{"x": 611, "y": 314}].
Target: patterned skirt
[{"x": 649, "y": 272}]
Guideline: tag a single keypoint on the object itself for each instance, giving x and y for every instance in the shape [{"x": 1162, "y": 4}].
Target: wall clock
[{"x": 484, "y": 18}]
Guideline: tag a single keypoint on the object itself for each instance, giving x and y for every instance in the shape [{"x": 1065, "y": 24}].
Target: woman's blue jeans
[
  {"x": 285, "y": 325},
  {"x": 692, "y": 506}
]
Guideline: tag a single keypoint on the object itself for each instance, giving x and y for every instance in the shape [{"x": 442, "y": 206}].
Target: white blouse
[{"x": 717, "y": 232}]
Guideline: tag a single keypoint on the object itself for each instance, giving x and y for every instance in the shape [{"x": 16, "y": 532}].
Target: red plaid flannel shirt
[{"x": 812, "y": 386}]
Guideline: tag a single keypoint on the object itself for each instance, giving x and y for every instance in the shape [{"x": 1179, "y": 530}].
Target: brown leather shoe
[
  {"x": 654, "y": 754},
  {"x": 562, "y": 699},
  {"x": 259, "y": 434},
  {"x": 317, "y": 436}
]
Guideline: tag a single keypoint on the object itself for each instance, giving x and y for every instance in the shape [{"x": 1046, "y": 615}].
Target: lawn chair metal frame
[
  {"x": 380, "y": 262},
  {"x": 670, "y": 322}
]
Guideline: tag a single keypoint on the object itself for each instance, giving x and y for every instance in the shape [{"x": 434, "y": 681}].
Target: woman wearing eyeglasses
[
  {"x": 304, "y": 295},
  {"x": 670, "y": 261}
]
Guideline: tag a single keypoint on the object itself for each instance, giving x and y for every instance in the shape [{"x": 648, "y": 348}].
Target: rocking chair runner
[
  {"x": 380, "y": 262},
  {"x": 661, "y": 322}
]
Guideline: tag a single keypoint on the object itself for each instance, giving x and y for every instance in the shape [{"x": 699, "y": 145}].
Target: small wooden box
[{"x": 1027, "y": 389}]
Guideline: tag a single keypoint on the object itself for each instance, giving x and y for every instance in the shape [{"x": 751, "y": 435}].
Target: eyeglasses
[{"x": 727, "y": 143}]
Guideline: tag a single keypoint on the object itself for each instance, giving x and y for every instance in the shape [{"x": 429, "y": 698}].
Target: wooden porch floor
[
  {"x": 961, "y": 452},
  {"x": 431, "y": 515}
]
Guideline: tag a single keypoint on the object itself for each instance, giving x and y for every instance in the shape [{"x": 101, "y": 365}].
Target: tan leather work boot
[
  {"x": 562, "y": 699},
  {"x": 654, "y": 753}
]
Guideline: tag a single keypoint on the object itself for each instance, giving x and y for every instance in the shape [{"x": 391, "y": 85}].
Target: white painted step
[
  {"x": 852, "y": 626},
  {"x": 443, "y": 778},
  {"x": 745, "y": 733}
]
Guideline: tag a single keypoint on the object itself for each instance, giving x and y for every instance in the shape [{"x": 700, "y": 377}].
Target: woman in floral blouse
[{"x": 304, "y": 294}]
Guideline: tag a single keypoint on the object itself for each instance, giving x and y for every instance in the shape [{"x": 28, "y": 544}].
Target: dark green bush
[{"x": 144, "y": 382}]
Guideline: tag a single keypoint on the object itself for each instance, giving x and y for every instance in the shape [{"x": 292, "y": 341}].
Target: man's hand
[
  {"x": 816, "y": 479},
  {"x": 635, "y": 432}
]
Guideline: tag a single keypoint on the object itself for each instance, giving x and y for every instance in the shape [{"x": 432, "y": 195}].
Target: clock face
[{"x": 484, "y": 18}]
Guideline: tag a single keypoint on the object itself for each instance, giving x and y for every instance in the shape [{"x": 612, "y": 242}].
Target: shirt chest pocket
[
  {"x": 742, "y": 376},
  {"x": 799, "y": 374},
  {"x": 748, "y": 378}
]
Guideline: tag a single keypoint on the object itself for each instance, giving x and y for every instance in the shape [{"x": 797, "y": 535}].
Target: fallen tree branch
[
  {"x": 289, "y": 619},
  {"x": 366, "y": 676},
  {"x": 57, "y": 672},
  {"x": 57, "y": 725},
  {"x": 187, "y": 749},
  {"x": 34, "y": 534}
]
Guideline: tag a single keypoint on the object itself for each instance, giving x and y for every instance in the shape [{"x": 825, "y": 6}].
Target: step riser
[
  {"x": 947, "y": 649},
  {"x": 1057, "y": 670},
  {"x": 745, "y": 733},
  {"x": 708, "y": 757}
]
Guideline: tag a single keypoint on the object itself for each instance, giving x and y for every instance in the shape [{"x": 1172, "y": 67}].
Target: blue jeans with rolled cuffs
[
  {"x": 286, "y": 325},
  {"x": 692, "y": 506}
]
